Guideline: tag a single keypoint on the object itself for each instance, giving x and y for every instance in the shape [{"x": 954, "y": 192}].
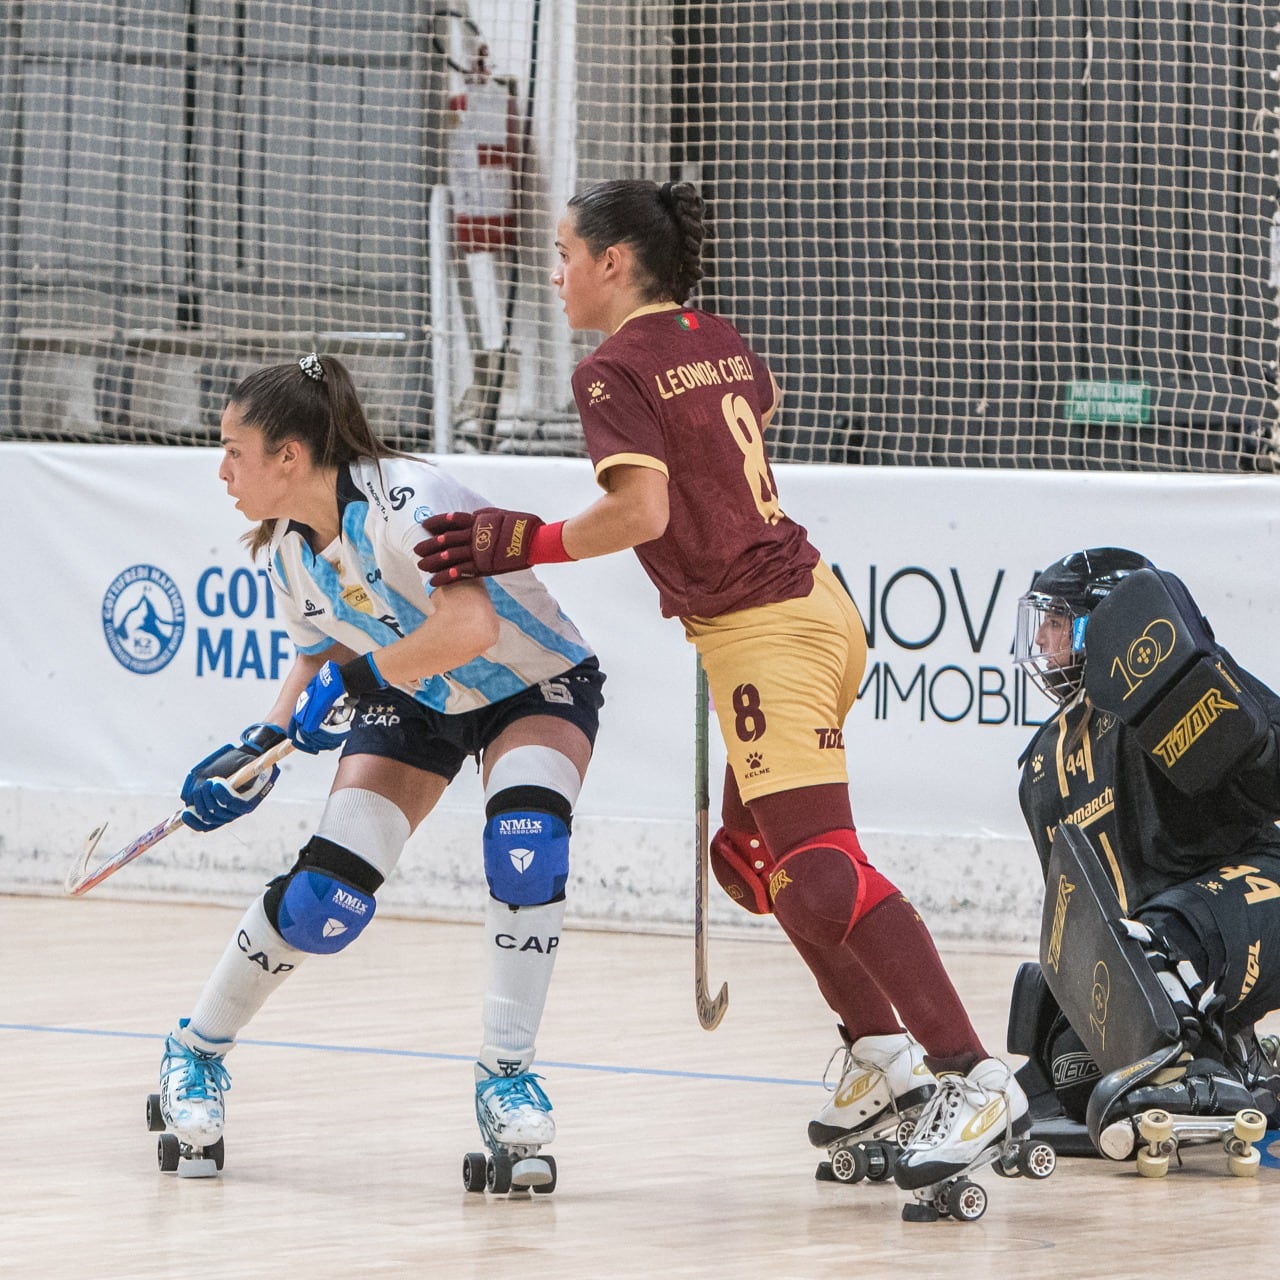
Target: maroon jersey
[{"x": 679, "y": 391}]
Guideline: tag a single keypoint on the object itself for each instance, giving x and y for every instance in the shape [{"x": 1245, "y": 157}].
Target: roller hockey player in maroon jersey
[{"x": 674, "y": 408}]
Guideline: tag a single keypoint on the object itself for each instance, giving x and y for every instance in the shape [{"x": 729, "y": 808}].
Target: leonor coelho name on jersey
[{"x": 702, "y": 373}]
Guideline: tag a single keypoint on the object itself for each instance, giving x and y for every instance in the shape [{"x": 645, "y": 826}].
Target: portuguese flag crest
[{"x": 687, "y": 321}]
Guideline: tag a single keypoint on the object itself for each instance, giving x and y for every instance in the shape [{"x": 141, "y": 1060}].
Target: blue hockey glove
[
  {"x": 210, "y": 802},
  {"x": 328, "y": 686}
]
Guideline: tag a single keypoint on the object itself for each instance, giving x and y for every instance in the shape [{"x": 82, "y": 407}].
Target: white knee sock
[
  {"x": 521, "y": 948},
  {"x": 256, "y": 961}
]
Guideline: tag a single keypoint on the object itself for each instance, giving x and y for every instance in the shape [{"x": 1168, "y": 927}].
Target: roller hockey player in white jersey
[
  {"x": 1152, "y": 797},
  {"x": 430, "y": 676}
]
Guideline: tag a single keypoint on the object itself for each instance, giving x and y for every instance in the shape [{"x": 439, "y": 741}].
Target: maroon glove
[{"x": 484, "y": 543}]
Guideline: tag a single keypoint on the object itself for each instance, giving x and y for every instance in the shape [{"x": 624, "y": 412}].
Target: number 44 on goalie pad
[{"x": 1097, "y": 973}]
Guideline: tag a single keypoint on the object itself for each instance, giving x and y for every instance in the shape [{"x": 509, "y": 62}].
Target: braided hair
[{"x": 662, "y": 224}]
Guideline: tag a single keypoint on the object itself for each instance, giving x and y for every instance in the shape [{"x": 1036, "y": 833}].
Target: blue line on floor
[{"x": 416, "y": 1053}]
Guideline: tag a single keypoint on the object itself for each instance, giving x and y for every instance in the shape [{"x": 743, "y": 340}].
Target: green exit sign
[{"x": 1104, "y": 402}]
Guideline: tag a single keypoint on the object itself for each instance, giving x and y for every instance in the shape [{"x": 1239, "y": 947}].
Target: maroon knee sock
[
  {"x": 897, "y": 949},
  {"x": 848, "y": 989}
]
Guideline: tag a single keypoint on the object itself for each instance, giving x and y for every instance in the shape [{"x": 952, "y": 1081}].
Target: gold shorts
[{"x": 782, "y": 678}]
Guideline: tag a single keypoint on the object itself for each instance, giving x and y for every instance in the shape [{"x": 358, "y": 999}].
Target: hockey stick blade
[
  {"x": 80, "y": 879},
  {"x": 709, "y": 1011}
]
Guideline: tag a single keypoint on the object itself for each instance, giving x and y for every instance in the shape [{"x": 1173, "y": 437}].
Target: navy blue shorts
[{"x": 395, "y": 725}]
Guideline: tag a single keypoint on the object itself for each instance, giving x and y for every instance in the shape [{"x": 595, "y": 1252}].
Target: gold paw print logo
[
  {"x": 596, "y": 390},
  {"x": 1037, "y": 763}
]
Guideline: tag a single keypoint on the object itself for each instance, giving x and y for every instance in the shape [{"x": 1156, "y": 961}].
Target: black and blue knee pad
[
  {"x": 324, "y": 902},
  {"x": 526, "y": 845}
]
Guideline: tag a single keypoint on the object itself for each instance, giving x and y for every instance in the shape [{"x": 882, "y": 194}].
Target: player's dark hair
[
  {"x": 313, "y": 401},
  {"x": 662, "y": 224}
]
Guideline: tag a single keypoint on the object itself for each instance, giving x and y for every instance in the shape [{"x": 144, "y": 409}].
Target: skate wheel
[
  {"x": 1155, "y": 1126},
  {"x": 217, "y": 1153},
  {"x": 1036, "y": 1161},
  {"x": 1244, "y": 1166},
  {"x": 546, "y": 1188},
  {"x": 1250, "y": 1125},
  {"x": 966, "y": 1200},
  {"x": 881, "y": 1158},
  {"x": 473, "y": 1171},
  {"x": 916, "y": 1211},
  {"x": 168, "y": 1152},
  {"x": 823, "y": 1173},
  {"x": 497, "y": 1174},
  {"x": 905, "y": 1131},
  {"x": 155, "y": 1119},
  {"x": 849, "y": 1164},
  {"x": 1150, "y": 1166}
]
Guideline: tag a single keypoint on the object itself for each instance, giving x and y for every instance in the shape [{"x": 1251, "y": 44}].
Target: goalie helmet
[{"x": 1049, "y": 642}]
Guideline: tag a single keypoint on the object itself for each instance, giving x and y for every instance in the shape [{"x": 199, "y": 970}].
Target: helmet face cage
[{"x": 1048, "y": 644}]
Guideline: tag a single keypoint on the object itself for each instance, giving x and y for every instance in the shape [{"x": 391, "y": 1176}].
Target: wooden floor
[{"x": 681, "y": 1153}]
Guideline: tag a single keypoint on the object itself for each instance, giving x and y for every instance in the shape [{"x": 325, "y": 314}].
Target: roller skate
[
  {"x": 972, "y": 1121},
  {"x": 515, "y": 1121},
  {"x": 883, "y": 1085},
  {"x": 188, "y": 1112},
  {"x": 1153, "y": 1108}
]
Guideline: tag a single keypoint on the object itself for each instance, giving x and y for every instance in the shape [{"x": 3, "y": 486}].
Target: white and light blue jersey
[{"x": 365, "y": 589}]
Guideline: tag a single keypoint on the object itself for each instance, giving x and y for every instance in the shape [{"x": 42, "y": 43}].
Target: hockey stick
[
  {"x": 80, "y": 879},
  {"x": 709, "y": 1011}
]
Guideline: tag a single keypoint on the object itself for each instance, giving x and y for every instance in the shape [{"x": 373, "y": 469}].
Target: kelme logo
[{"x": 143, "y": 619}]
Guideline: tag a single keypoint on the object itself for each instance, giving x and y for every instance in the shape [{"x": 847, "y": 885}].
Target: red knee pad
[
  {"x": 741, "y": 864},
  {"x": 823, "y": 887}
]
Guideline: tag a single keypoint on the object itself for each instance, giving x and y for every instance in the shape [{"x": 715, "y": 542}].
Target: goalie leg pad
[
  {"x": 1031, "y": 1010},
  {"x": 1099, "y": 974},
  {"x": 1192, "y": 1000},
  {"x": 824, "y": 886},
  {"x": 1039, "y": 1030},
  {"x": 741, "y": 865},
  {"x": 526, "y": 846},
  {"x": 324, "y": 902}
]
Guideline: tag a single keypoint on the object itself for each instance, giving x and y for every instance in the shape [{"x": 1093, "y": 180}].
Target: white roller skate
[
  {"x": 188, "y": 1112},
  {"x": 515, "y": 1121},
  {"x": 883, "y": 1086},
  {"x": 973, "y": 1120}
]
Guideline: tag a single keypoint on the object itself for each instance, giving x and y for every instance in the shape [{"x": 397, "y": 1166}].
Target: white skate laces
[
  {"x": 882, "y": 1085},
  {"x": 860, "y": 1078},
  {"x": 513, "y": 1111},
  {"x": 964, "y": 1112},
  {"x": 938, "y": 1119}
]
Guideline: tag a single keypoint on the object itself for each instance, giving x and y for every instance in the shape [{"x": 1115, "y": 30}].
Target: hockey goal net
[{"x": 1020, "y": 234}]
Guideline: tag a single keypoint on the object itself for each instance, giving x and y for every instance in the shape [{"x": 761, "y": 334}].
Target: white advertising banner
[{"x": 138, "y": 636}]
